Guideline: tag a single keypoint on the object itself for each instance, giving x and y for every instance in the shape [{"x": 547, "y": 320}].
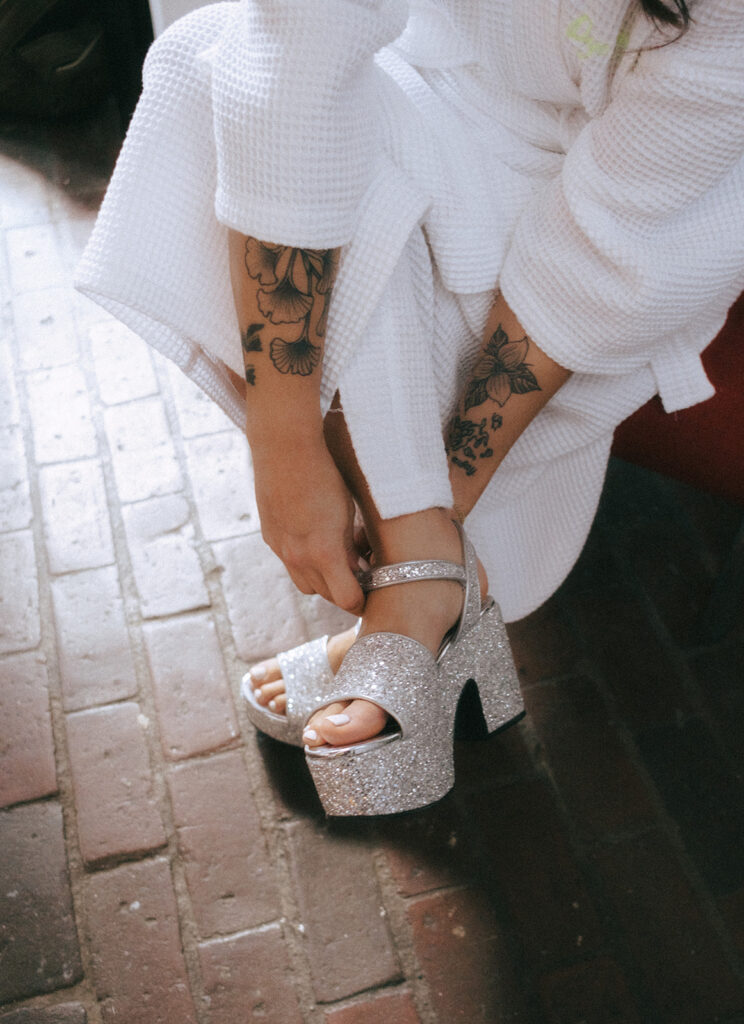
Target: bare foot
[
  {"x": 266, "y": 676},
  {"x": 424, "y": 610}
]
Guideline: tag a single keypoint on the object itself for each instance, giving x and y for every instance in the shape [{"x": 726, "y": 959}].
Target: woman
[{"x": 500, "y": 225}]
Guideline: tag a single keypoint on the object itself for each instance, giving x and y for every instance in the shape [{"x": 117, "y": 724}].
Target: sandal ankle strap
[
  {"x": 434, "y": 569},
  {"x": 411, "y": 572}
]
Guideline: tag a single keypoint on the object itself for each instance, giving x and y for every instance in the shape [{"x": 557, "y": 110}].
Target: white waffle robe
[{"x": 549, "y": 148}]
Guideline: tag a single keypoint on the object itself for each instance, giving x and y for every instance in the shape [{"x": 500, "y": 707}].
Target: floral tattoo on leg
[
  {"x": 500, "y": 372},
  {"x": 472, "y": 440},
  {"x": 290, "y": 280}
]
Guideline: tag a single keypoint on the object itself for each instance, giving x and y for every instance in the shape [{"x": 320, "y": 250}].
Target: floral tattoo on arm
[
  {"x": 499, "y": 373},
  {"x": 290, "y": 279}
]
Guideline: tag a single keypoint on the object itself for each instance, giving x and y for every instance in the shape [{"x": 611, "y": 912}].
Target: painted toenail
[
  {"x": 258, "y": 672},
  {"x": 310, "y": 734},
  {"x": 338, "y": 719},
  {"x": 272, "y": 705}
]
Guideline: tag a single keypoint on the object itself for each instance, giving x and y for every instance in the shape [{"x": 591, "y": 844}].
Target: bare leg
[{"x": 423, "y": 610}]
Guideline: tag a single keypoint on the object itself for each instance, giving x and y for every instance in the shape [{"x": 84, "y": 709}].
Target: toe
[
  {"x": 269, "y": 691},
  {"x": 265, "y": 672},
  {"x": 360, "y": 720},
  {"x": 279, "y": 704},
  {"x": 312, "y": 734}
]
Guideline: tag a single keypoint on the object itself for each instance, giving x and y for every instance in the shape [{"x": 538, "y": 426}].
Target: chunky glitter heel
[
  {"x": 411, "y": 764},
  {"x": 484, "y": 656}
]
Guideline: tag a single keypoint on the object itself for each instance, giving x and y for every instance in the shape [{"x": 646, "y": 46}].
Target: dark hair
[{"x": 668, "y": 12}]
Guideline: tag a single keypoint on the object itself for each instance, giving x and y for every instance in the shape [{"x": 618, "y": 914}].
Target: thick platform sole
[{"x": 386, "y": 775}]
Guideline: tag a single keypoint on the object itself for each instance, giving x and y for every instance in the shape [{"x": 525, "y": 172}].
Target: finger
[
  {"x": 345, "y": 591},
  {"x": 311, "y": 582},
  {"x": 301, "y": 581}
]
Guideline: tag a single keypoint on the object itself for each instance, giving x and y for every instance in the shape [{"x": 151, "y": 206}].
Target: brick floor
[{"x": 161, "y": 863}]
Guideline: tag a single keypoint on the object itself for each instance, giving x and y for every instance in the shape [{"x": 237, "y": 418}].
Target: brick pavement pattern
[{"x": 163, "y": 863}]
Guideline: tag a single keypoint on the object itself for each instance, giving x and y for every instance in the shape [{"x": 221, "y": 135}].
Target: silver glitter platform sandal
[
  {"x": 307, "y": 677},
  {"x": 411, "y": 764}
]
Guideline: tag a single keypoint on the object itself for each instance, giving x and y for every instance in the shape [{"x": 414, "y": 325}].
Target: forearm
[
  {"x": 281, "y": 297},
  {"x": 512, "y": 380}
]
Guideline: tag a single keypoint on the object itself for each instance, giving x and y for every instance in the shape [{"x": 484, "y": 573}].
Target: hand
[{"x": 307, "y": 519}]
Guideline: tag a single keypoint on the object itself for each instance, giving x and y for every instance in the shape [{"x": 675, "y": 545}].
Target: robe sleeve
[
  {"x": 639, "y": 240},
  {"x": 293, "y": 94}
]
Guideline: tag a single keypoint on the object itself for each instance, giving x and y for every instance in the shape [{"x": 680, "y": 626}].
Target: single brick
[
  {"x": 15, "y": 497},
  {"x": 424, "y": 850},
  {"x": 9, "y": 410},
  {"x": 95, "y": 657},
  {"x": 396, "y": 1008},
  {"x": 461, "y": 948},
  {"x": 222, "y": 479},
  {"x": 138, "y": 965},
  {"x": 670, "y": 937},
  {"x": 529, "y": 862},
  {"x": 192, "y": 693},
  {"x": 197, "y": 412},
  {"x": 122, "y": 362},
  {"x": 595, "y": 776},
  {"x": 348, "y": 943},
  {"x": 117, "y": 811},
  {"x": 39, "y": 942},
  {"x": 248, "y": 977},
  {"x": 76, "y": 518},
  {"x": 228, "y": 871},
  {"x": 35, "y": 259},
  {"x": 27, "y": 769},
  {"x": 45, "y": 329},
  {"x": 145, "y": 464},
  {"x": 595, "y": 990},
  {"x": 20, "y": 626},
  {"x": 61, "y": 1013},
  {"x": 544, "y": 644},
  {"x": 166, "y": 566},
  {"x": 703, "y": 795},
  {"x": 261, "y": 598},
  {"x": 60, "y": 414}
]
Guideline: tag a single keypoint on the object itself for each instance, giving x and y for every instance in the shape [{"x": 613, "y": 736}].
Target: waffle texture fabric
[{"x": 556, "y": 151}]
